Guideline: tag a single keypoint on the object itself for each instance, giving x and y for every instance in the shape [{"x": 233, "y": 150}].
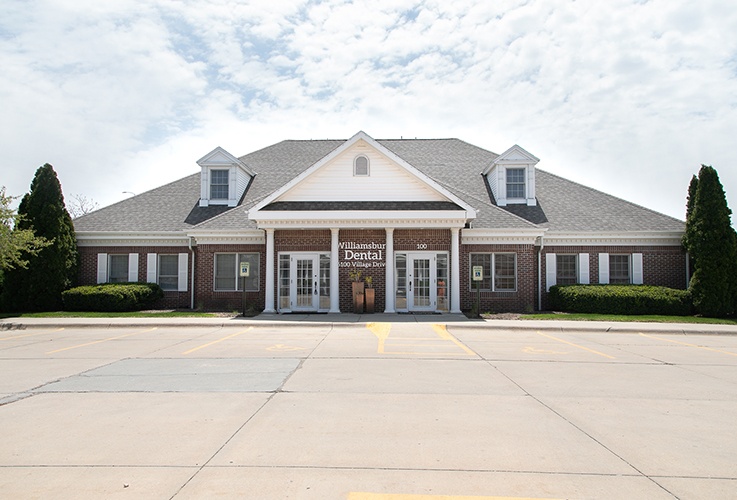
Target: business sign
[{"x": 362, "y": 254}]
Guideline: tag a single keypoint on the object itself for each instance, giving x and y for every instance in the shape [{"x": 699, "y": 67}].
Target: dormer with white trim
[
  {"x": 224, "y": 178},
  {"x": 512, "y": 177}
]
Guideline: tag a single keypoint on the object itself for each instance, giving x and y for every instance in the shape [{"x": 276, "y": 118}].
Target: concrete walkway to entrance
[{"x": 344, "y": 319}]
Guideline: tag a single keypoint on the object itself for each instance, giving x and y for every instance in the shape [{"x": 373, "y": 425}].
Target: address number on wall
[{"x": 422, "y": 246}]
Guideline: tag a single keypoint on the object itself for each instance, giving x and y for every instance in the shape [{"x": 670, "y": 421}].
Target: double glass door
[
  {"x": 421, "y": 281},
  {"x": 304, "y": 282}
]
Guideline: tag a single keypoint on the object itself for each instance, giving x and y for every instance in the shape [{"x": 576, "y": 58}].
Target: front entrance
[
  {"x": 304, "y": 282},
  {"x": 421, "y": 281}
]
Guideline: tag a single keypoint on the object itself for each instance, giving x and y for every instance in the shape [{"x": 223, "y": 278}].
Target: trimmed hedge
[
  {"x": 621, "y": 299},
  {"x": 112, "y": 297}
]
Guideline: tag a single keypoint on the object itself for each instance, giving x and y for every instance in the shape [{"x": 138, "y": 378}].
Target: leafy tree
[
  {"x": 15, "y": 243},
  {"x": 711, "y": 241},
  {"x": 54, "y": 268}
]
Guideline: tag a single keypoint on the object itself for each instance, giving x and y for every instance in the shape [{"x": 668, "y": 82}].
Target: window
[
  {"x": 515, "y": 183},
  {"x": 168, "y": 276},
  {"x": 361, "y": 166},
  {"x": 219, "y": 184},
  {"x": 566, "y": 269},
  {"x": 118, "y": 268},
  {"x": 504, "y": 266},
  {"x": 227, "y": 272},
  {"x": 619, "y": 269}
]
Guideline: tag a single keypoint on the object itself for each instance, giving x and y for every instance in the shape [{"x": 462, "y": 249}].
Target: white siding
[
  {"x": 583, "y": 269},
  {"x": 494, "y": 182},
  {"x": 133, "y": 267},
  {"x": 387, "y": 181},
  {"x": 551, "y": 268},
  {"x": 101, "y": 268},
  {"x": 604, "y": 268}
]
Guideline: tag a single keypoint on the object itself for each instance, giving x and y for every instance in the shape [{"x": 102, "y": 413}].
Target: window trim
[
  {"x": 523, "y": 183},
  {"x": 238, "y": 288},
  {"x": 576, "y": 269},
  {"x": 368, "y": 166},
  {"x": 226, "y": 184},
  {"x": 628, "y": 258},
  {"x": 159, "y": 275},
  {"x": 110, "y": 256},
  {"x": 492, "y": 273}
]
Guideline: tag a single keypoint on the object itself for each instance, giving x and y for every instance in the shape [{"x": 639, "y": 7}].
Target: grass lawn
[
  {"x": 131, "y": 314},
  {"x": 616, "y": 317}
]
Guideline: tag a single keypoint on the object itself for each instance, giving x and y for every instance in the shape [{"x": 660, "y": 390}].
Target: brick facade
[{"x": 662, "y": 265}]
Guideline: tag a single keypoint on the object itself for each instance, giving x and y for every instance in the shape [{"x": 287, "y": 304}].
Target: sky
[{"x": 629, "y": 97}]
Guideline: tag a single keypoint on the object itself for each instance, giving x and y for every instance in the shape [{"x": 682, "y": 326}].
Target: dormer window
[
  {"x": 361, "y": 166},
  {"x": 515, "y": 183},
  {"x": 219, "y": 183}
]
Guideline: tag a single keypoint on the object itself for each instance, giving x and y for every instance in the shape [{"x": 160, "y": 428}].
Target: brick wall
[
  {"x": 205, "y": 295},
  {"x": 171, "y": 300},
  {"x": 661, "y": 265},
  {"x": 521, "y": 300}
]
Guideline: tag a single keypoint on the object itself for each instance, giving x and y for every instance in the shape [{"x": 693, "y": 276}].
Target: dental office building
[{"x": 415, "y": 215}]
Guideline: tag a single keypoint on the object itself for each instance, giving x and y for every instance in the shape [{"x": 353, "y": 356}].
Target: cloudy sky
[{"x": 626, "y": 96}]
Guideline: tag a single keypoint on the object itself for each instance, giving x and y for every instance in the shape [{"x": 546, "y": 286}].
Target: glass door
[
  {"x": 421, "y": 291},
  {"x": 421, "y": 281},
  {"x": 304, "y": 282}
]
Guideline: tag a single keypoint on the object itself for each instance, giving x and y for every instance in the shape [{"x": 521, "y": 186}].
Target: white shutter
[
  {"x": 604, "y": 268},
  {"x": 133, "y": 267},
  {"x": 551, "y": 273},
  {"x": 152, "y": 275},
  {"x": 183, "y": 263},
  {"x": 583, "y": 269},
  {"x": 637, "y": 277},
  {"x": 101, "y": 268}
]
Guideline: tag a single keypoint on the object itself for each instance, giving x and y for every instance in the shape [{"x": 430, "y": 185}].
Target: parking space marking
[
  {"x": 576, "y": 345},
  {"x": 689, "y": 345},
  {"x": 101, "y": 341},
  {"x": 31, "y": 334},
  {"x": 217, "y": 341},
  {"x": 534, "y": 350},
  {"x": 381, "y": 330},
  {"x": 444, "y": 334}
]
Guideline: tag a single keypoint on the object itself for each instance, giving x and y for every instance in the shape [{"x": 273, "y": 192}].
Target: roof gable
[{"x": 390, "y": 178}]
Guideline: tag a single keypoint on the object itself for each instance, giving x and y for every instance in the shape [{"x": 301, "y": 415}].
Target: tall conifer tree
[
  {"x": 54, "y": 268},
  {"x": 711, "y": 242}
]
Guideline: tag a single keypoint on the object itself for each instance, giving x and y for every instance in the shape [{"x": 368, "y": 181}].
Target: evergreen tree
[
  {"x": 52, "y": 270},
  {"x": 711, "y": 241}
]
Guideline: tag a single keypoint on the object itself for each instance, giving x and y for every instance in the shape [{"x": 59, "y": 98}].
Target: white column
[
  {"x": 334, "y": 271},
  {"x": 269, "y": 306},
  {"x": 455, "y": 270},
  {"x": 389, "y": 307}
]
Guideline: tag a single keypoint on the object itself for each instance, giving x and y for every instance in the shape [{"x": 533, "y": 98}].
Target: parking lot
[{"x": 402, "y": 410}]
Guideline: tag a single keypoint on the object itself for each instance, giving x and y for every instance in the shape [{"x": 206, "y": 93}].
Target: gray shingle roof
[{"x": 563, "y": 205}]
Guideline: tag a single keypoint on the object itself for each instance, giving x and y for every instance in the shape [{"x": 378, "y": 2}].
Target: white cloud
[{"x": 628, "y": 97}]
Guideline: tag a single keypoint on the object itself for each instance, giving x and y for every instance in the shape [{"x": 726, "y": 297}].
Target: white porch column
[
  {"x": 389, "y": 307},
  {"x": 334, "y": 271},
  {"x": 455, "y": 270},
  {"x": 269, "y": 305}
]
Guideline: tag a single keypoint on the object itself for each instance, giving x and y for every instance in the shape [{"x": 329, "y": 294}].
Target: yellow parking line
[
  {"x": 100, "y": 341},
  {"x": 381, "y": 330},
  {"x": 576, "y": 345},
  {"x": 444, "y": 334},
  {"x": 689, "y": 345},
  {"x": 31, "y": 334},
  {"x": 217, "y": 341}
]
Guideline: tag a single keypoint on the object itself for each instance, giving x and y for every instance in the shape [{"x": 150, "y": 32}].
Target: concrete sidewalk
[{"x": 360, "y": 320}]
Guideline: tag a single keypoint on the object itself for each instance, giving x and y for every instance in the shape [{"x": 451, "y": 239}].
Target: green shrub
[
  {"x": 620, "y": 299},
  {"x": 112, "y": 297}
]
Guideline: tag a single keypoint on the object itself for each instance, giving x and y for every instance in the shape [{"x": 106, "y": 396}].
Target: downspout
[
  {"x": 540, "y": 273},
  {"x": 191, "y": 286}
]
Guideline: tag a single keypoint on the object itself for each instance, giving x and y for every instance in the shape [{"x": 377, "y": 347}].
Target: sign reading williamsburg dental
[{"x": 362, "y": 254}]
